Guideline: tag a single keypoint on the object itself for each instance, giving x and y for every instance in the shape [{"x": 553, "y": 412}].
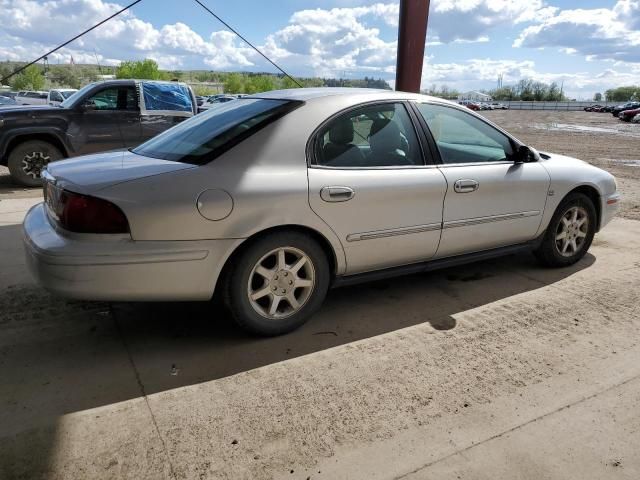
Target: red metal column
[{"x": 412, "y": 33}]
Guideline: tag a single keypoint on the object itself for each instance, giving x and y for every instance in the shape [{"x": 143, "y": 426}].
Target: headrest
[
  {"x": 341, "y": 132},
  {"x": 385, "y": 136}
]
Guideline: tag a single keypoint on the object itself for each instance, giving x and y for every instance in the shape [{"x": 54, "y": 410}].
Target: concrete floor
[{"x": 497, "y": 370}]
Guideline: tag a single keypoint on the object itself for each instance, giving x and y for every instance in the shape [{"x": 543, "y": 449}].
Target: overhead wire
[
  {"x": 248, "y": 42},
  {"x": 217, "y": 17},
  {"x": 69, "y": 41}
]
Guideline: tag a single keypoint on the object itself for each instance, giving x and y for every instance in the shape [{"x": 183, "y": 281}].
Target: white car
[
  {"x": 29, "y": 97},
  {"x": 270, "y": 199},
  {"x": 58, "y": 95}
]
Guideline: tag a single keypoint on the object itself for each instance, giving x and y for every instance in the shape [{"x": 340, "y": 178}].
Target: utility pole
[{"x": 412, "y": 34}]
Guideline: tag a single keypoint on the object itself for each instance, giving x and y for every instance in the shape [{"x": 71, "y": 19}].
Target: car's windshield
[
  {"x": 71, "y": 99},
  {"x": 205, "y": 136}
]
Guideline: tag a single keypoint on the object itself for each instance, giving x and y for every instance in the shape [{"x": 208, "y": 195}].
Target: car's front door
[
  {"x": 492, "y": 200},
  {"x": 109, "y": 121},
  {"x": 369, "y": 182}
]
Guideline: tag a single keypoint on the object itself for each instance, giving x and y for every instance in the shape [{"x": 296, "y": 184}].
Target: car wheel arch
[
  {"x": 322, "y": 240},
  {"x": 592, "y": 193},
  {"x": 44, "y": 137}
]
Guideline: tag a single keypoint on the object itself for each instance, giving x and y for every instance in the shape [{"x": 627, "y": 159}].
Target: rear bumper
[
  {"x": 116, "y": 268},
  {"x": 609, "y": 207}
]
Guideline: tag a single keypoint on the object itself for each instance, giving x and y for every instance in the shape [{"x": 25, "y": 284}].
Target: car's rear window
[{"x": 207, "y": 135}]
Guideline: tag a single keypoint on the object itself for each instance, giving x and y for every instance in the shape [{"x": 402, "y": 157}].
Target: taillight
[{"x": 85, "y": 214}]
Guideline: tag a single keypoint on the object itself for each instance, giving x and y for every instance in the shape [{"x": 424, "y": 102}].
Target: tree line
[{"x": 37, "y": 77}]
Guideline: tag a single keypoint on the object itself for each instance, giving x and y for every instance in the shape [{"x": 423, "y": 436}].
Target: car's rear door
[
  {"x": 163, "y": 105},
  {"x": 491, "y": 199},
  {"x": 368, "y": 180}
]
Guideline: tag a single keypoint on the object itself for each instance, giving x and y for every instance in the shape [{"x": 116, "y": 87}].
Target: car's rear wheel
[
  {"x": 278, "y": 282},
  {"x": 570, "y": 232},
  {"x": 28, "y": 159}
]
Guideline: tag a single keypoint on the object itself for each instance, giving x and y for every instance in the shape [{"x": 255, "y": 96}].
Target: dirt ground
[{"x": 597, "y": 138}]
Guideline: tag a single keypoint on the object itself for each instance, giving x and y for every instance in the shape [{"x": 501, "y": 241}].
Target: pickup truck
[
  {"x": 58, "y": 95},
  {"x": 102, "y": 116},
  {"x": 29, "y": 97}
]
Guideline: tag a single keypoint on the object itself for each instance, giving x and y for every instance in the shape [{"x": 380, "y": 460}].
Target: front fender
[
  {"x": 30, "y": 132},
  {"x": 568, "y": 174}
]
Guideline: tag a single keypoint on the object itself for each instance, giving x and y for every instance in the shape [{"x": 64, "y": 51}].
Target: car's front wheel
[
  {"x": 278, "y": 282},
  {"x": 570, "y": 232},
  {"x": 28, "y": 159}
]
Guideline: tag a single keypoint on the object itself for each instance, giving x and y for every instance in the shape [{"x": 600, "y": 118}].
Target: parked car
[
  {"x": 8, "y": 93},
  {"x": 471, "y": 105},
  {"x": 58, "y": 95},
  {"x": 499, "y": 106},
  {"x": 6, "y": 101},
  {"x": 636, "y": 119},
  {"x": 627, "y": 115},
  {"x": 102, "y": 116},
  {"x": 627, "y": 106},
  {"x": 32, "y": 98},
  {"x": 270, "y": 199},
  {"x": 593, "y": 108}
]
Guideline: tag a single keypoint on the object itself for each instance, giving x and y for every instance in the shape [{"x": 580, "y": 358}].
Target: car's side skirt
[{"x": 427, "y": 266}]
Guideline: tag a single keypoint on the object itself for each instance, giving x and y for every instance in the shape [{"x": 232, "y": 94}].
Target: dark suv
[{"x": 102, "y": 116}]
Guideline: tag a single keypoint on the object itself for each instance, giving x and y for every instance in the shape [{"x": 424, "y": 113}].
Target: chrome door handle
[
  {"x": 336, "y": 194},
  {"x": 465, "y": 186}
]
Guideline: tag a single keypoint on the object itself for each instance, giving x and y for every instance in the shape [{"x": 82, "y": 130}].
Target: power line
[
  {"x": 69, "y": 41},
  {"x": 247, "y": 42}
]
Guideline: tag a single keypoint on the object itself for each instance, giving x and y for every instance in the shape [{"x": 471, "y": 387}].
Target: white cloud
[
  {"x": 598, "y": 34},
  {"x": 471, "y": 20},
  {"x": 483, "y": 74},
  {"x": 335, "y": 42}
]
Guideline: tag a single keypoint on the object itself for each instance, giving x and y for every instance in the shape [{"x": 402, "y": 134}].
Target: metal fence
[{"x": 568, "y": 106}]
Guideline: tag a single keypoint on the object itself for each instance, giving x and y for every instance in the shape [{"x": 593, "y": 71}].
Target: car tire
[
  {"x": 27, "y": 160},
  {"x": 271, "y": 270},
  {"x": 568, "y": 237}
]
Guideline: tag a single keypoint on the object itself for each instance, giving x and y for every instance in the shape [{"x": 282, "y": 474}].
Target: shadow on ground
[
  {"x": 9, "y": 189},
  {"x": 63, "y": 356}
]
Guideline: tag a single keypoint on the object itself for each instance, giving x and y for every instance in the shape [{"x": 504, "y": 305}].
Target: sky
[{"x": 588, "y": 45}]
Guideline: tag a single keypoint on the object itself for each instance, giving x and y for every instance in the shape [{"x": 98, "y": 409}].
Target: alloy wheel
[
  {"x": 572, "y": 231},
  {"x": 33, "y": 163},
  {"x": 281, "y": 282}
]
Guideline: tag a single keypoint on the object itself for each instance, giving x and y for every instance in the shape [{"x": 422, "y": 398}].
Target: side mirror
[{"x": 526, "y": 154}]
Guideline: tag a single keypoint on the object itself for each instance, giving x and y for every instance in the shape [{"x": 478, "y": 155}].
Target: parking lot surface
[{"x": 496, "y": 370}]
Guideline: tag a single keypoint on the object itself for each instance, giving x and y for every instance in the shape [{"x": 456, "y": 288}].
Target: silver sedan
[{"x": 271, "y": 199}]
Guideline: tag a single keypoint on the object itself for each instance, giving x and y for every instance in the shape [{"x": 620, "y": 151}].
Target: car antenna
[
  {"x": 248, "y": 42},
  {"x": 69, "y": 41}
]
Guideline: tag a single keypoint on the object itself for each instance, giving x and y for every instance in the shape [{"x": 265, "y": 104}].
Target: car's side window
[
  {"x": 379, "y": 135},
  {"x": 463, "y": 138},
  {"x": 115, "y": 98},
  {"x": 56, "y": 97}
]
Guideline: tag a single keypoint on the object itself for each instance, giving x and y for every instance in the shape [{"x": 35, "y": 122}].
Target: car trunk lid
[{"x": 91, "y": 173}]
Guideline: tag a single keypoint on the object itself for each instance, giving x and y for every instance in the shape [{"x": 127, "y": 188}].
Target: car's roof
[{"x": 304, "y": 94}]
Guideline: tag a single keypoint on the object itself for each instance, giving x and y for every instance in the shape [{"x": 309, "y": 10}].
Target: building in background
[{"x": 475, "y": 96}]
